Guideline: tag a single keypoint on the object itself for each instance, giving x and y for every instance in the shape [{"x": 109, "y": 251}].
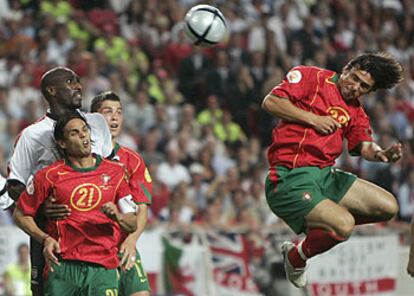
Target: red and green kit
[
  {"x": 87, "y": 234},
  {"x": 300, "y": 158}
]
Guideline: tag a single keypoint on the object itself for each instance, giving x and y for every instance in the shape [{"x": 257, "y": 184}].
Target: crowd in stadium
[{"x": 194, "y": 114}]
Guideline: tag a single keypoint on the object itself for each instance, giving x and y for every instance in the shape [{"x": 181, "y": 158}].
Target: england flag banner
[{"x": 359, "y": 266}]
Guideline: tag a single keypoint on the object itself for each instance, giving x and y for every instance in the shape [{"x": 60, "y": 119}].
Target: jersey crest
[{"x": 105, "y": 179}]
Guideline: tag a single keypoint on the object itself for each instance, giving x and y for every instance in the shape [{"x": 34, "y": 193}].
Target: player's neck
[
  {"x": 82, "y": 162},
  {"x": 114, "y": 141},
  {"x": 58, "y": 111}
]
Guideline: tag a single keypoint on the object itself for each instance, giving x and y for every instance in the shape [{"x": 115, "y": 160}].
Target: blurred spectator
[
  {"x": 406, "y": 198},
  {"x": 17, "y": 275},
  {"x": 212, "y": 114},
  {"x": 60, "y": 45},
  {"x": 178, "y": 211},
  {"x": 197, "y": 190},
  {"x": 21, "y": 94},
  {"x": 191, "y": 77},
  {"x": 171, "y": 172},
  {"x": 140, "y": 114}
]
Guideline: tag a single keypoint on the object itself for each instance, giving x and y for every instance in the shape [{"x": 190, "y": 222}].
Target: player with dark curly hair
[{"x": 319, "y": 109}]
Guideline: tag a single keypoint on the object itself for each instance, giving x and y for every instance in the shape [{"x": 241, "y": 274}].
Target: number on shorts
[{"x": 111, "y": 292}]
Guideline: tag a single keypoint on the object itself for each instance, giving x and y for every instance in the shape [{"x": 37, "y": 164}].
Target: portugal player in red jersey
[
  {"x": 134, "y": 281},
  {"x": 319, "y": 109},
  {"x": 82, "y": 250}
]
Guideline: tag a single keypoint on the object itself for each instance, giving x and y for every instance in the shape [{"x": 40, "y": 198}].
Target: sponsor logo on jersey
[
  {"x": 294, "y": 76},
  {"x": 85, "y": 197},
  {"x": 339, "y": 114}
]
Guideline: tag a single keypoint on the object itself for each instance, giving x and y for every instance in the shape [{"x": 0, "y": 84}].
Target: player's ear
[
  {"x": 51, "y": 90},
  {"x": 61, "y": 144}
]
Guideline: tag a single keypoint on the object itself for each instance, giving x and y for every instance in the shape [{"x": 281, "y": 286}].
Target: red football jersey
[
  {"x": 87, "y": 234},
  {"x": 137, "y": 170},
  {"x": 314, "y": 89},
  {"x": 138, "y": 173}
]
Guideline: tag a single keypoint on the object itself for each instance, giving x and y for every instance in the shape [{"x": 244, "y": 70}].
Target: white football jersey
[{"x": 36, "y": 148}]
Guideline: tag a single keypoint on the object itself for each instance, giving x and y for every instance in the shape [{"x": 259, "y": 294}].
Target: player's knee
[
  {"x": 390, "y": 207},
  {"x": 345, "y": 225}
]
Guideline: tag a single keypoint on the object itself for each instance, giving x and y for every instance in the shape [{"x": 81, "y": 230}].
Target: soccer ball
[{"x": 205, "y": 25}]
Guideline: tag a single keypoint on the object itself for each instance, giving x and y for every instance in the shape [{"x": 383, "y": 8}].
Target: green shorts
[
  {"x": 81, "y": 278},
  {"x": 293, "y": 193},
  {"x": 133, "y": 280}
]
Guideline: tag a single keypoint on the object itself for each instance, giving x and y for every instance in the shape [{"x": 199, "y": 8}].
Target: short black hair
[
  {"x": 383, "y": 67},
  {"x": 104, "y": 96},
  {"x": 60, "y": 124},
  {"x": 51, "y": 78}
]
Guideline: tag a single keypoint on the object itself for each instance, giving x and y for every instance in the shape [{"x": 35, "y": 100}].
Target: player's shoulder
[
  {"x": 52, "y": 171},
  {"x": 303, "y": 73},
  {"x": 308, "y": 69},
  {"x": 133, "y": 156},
  {"x": 115, "y": 166},
  {"x": 129, "y": 151},
  {"x": 37, "y": 129}
]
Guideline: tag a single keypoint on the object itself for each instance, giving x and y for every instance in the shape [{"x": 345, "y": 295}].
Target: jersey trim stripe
[
  {"x": 306, "y": 129},
  {"x": 130, "y": 152},
  {"x": 51, "y": 169}
]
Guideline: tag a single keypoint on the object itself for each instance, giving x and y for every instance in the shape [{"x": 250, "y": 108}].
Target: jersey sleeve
[
  {"x": 141, "y": 180},
  {"x": 124, "y": 190},
  {"x": 100, "y": 134},
  {"x": 37, "y": 190},
  {"x": 23, "y": 160},
  {"x": 299, "y": 83},
  {"x": 358, "y": 131}
]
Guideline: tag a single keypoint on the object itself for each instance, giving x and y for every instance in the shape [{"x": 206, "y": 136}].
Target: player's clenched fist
[{"x": 111, "y": 211}]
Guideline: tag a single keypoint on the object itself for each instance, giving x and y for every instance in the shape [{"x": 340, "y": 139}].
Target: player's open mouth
[
  {"x": 85, "y": 143},
  {"x": 114, "y": 125}
]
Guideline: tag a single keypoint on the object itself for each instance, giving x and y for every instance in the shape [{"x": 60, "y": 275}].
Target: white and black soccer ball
[{"x": 205, "y": 25}]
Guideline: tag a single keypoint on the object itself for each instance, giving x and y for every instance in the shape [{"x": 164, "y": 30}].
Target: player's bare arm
[
  {"x": 28, "y": 225},
  {"x": 128, "y": 247},
  {"x": 15, "y": 188},
  {"x": 284, "y": 109},
  {"x": 127, "y": 221},
  {"x": 373, "y": 152}
]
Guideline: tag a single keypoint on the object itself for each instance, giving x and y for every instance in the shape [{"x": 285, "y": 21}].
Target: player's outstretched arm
[
  {"x": 284, "y": 109},
  {"x": 373, "y": 152},
  {"x": 127, "y": 221}
]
